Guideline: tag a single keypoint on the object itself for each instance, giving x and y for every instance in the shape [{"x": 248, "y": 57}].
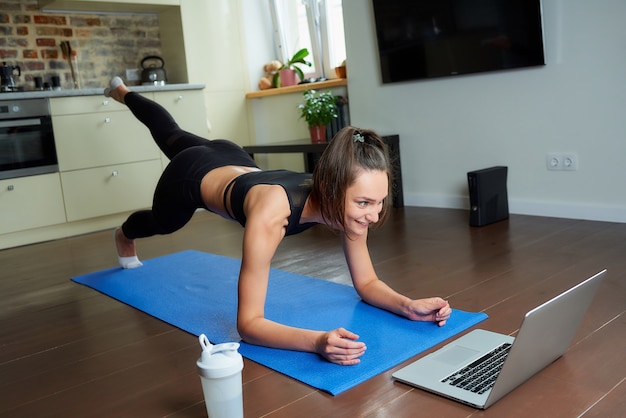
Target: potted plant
[
  {"x": 286, "y": 74},
  {"x": 318, "y": 110}
]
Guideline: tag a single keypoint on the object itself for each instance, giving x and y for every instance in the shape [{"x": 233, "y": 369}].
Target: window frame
[{"x": 318, "y": 31}]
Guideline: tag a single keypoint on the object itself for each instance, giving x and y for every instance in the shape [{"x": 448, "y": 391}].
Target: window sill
[{"x": 337, "y": 82}]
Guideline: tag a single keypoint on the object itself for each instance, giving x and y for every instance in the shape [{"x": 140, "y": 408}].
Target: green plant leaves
[
  {"x": 298, "y": 58},
  {"x": 319, "y": 108}
]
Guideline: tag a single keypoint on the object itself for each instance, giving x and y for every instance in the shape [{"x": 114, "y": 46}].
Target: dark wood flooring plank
[
  {"x": 130, "y": 329},
  {"x": 65, "y": 348},
  {"x": 98, "y": 367},
  {"x": 611, "y": 405},
  {"x": 110, "y": 381},
  {"x": 597, "y": 361}
]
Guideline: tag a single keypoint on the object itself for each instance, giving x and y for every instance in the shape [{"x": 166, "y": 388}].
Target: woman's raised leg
[{"x": 170, "y": 138}]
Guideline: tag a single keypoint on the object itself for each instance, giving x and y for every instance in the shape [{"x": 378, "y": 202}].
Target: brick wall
[{"x": 102, "y": 45}]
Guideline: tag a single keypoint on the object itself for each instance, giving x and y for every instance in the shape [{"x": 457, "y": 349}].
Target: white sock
[
  {"x": 113, "y": 84},
  {"x": 129, "y": 262}
]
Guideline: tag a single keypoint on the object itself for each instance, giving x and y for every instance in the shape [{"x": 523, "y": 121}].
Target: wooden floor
[{"x": 68, "y": 351}]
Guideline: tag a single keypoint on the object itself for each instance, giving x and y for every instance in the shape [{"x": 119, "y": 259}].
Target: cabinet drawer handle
[
  {"x": 107, "y": 120},
  {"x": 10, "y": 187},
  {"x": 115, "y": 173},
  {"x": 105, "y": 102},
  {"x": 179, "y": 98}
]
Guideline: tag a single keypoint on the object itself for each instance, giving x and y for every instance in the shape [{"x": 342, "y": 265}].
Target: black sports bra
[{"x": 297, "y": 186}]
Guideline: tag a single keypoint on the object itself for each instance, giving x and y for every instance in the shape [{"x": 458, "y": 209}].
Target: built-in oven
[{"x": 26, "y": 138}]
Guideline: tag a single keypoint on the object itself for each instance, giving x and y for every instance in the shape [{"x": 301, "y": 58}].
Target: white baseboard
[{"x": 590, "y": 212}]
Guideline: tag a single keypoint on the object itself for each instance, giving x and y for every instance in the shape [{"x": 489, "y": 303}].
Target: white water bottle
[{"x": 220, "y": 369}]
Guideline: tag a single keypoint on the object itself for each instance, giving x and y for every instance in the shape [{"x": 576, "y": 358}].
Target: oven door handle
[{"x": 20, "y": 122}]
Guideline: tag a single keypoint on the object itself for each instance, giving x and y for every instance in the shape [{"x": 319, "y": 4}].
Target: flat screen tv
[{"x": 421, "y": 39}]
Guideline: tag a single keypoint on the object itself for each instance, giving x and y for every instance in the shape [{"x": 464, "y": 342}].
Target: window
[{"x": 313, "y": 24}]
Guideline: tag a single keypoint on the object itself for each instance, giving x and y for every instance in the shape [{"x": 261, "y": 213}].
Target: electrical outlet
[
  {"x": 562, "y": 161},
  {"x": 554, "y": 162},
  {"x": 133, "y": 74},
  {"x": 570, "y": 162}
]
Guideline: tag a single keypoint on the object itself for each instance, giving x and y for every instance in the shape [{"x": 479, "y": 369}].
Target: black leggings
[
  {"x": 164, "y": 129},
  {"x": 177, "y": 195}
]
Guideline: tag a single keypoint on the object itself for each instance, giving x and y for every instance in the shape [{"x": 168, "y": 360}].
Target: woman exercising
[{"x": 348, "y": 191}]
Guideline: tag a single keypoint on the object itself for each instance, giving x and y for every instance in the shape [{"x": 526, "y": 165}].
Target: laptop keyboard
[{"x": 479, "y": 376}]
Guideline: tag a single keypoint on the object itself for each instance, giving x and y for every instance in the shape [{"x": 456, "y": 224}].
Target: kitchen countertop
[{"x": 35, "y": 94}]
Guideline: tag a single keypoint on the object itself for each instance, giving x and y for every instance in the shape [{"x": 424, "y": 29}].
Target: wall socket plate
[
  {"x": 133, "y": 74},
  {"x": 562, "y": 161}
]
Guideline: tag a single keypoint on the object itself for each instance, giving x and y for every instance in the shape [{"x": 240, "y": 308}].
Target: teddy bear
[{"x": 269, "y": 69}]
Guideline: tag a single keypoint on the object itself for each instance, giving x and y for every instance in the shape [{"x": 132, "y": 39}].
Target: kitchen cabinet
[
  {"x": 109, "y": 166},
  {"x": 100, "y": 191},
  {"x": 107, "y": 159},
  {"x": 30, "y": 202},
  {"x": 111, "y": 6},
  {"x": 187, "y": 108},
  {"x": 93, "y": 131},
  {"x": 173, "y": 47}
]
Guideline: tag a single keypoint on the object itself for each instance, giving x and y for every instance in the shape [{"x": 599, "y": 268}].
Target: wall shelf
[{"x": 337, "y": 82}]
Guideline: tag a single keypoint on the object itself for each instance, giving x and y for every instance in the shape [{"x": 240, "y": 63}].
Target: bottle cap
[{"x": 219, "y": 360}]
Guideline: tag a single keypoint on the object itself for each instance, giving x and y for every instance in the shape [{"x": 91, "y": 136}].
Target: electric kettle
[{"x": 153, "y": 75}]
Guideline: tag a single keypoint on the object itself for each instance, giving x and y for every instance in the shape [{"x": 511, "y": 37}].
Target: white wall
[
  {"x": 275, "y": 118},
  {"x": 449, "y": 126},
  {"x": 216, "y": 57}
]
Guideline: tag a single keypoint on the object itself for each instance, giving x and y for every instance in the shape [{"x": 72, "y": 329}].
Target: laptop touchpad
[{"x": 455, "y": 355}]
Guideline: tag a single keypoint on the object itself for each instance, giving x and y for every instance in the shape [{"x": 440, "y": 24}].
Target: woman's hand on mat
[
  {"x": 431, "y": 309},
  {"x": 340, "y": 346}
]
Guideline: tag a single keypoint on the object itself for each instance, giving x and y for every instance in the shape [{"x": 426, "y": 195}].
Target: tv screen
[{"x": 420, "y": 39}]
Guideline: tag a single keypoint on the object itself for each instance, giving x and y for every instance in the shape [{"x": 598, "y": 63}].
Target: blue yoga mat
[{"x": 197, "y": 292}]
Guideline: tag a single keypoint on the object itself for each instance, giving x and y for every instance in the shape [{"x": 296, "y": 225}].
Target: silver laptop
[{"x": 481, "y": 367}]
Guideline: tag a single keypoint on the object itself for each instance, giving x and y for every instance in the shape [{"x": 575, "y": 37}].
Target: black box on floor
[{"x": 489, "y": 200}]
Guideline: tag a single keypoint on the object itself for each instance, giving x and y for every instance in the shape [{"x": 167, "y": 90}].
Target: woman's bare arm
[
  {"x": 375, "y": 292},
  {"x": 267, "y": 209}
]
